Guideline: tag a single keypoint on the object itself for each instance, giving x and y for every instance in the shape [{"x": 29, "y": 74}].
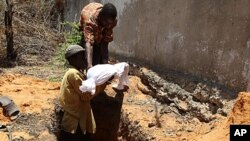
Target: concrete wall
[
  {"x": 208, "y": 38},
  {"x": 73, "y": 9}
]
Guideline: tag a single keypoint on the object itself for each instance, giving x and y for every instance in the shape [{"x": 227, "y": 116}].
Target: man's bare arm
[
  {"x": 89, "y": 53},
  {"x": 105, "y": 52}
]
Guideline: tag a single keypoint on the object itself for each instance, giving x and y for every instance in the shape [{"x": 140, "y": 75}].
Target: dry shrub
[{"x": 36, "y": 25}]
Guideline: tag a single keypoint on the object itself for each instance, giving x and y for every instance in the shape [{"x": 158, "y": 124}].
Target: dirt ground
[
  {"x": 35, "y": 86},
  {"x": 240, "y": 115},
  {"x": 35, "y": 97}
]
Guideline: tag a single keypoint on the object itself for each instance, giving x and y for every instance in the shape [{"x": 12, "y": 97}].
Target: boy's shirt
[{"x": 76, "y": 105}]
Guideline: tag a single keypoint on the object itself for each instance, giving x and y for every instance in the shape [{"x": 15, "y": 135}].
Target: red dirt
[
  {"x": 241, "y": 111},
  {"x": 240, "y": 115},
  {"x": 32, "y": 95},
  {"x": 173, "y": 126}
]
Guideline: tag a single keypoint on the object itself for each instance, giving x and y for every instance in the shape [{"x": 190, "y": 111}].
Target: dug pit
[{"x": 155, "y": 107}]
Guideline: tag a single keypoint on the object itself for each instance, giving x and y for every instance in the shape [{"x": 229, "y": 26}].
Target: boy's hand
[
  {"x": 86, "y": 96},
  {"x": 87, "y": 93}
]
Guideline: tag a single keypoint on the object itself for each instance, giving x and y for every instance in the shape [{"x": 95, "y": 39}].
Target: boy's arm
[{"x": 77, "y": 83}]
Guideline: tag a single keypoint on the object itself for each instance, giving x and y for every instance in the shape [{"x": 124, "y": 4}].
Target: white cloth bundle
[{"x": 100, "y": 74}]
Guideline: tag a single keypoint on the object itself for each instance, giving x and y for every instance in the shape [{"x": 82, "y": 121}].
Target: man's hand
[{"x": 89, "y": 66}]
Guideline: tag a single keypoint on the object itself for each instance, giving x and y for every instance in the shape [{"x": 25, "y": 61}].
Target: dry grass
[{"x": 36, "y": 31}]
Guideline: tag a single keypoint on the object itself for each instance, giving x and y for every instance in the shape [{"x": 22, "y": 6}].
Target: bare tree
[{"x": 11, "y": 55}]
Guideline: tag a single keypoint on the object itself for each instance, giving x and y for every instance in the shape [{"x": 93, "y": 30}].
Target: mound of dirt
[
  {"x": 241, "y": 111},
  {"x": 240, "y": 115}
]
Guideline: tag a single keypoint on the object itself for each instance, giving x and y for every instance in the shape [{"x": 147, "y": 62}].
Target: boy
[{"x": 78, "y": 121}]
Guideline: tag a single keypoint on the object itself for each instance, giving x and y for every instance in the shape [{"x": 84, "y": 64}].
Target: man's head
[
  {"x": 108, "y": 15},
  {"x": 75, "y": 55}
]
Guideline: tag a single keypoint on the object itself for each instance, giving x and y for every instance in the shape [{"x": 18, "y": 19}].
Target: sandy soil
[
  {"x": 159, "y": 121},
  {"x": 34, "y": 96},
  {"x": 240, "y": 115}
]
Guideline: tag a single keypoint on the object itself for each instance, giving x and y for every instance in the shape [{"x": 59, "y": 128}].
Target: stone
[
  {"x": 178, "y": 134},
  {"x": 151, "y": 124},
  {"x": 201, "y": 95},
  {"x": 189, "y": 129}
]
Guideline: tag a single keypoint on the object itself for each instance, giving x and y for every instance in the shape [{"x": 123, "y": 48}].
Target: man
[
  {"x": 97, "y": 22},
  {"x": 78, "y": 121}
]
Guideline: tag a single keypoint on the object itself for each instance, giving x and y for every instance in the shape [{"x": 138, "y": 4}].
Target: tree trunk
[{"x": 8, "y": 31}]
